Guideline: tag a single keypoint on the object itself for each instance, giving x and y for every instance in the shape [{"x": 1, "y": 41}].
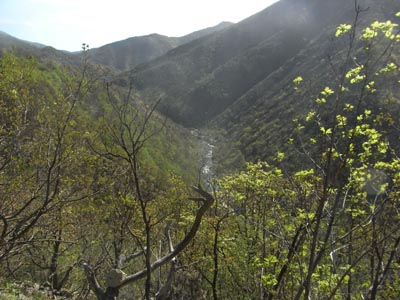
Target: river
[{"x": 206, "y": 149}]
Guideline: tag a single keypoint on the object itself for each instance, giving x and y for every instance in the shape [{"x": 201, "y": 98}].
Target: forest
[{"x": 103, "y": 196}]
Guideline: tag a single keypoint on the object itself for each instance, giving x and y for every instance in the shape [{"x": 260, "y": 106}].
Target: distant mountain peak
[{"x": 124, "y": 55}]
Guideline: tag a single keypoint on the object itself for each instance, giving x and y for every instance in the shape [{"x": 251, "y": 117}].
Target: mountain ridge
[
  {"x": 126, "y": 54},
  {"x": 16, "y": 41},
  {"x": 237, "y": 74},
  {"x": 201, "y": 79},
  {"x": 118, "y": 55}
]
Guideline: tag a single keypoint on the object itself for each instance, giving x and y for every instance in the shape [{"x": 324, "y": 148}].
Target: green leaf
[
  {"x": 280, "y": 156},
  {"x": 342, "y": 29},
  {"x": 310, "y": 116},
  {"x": 369, "y": 34},
  {"x": 327, "y": 91},
  {"x": 297, "y": 82}
]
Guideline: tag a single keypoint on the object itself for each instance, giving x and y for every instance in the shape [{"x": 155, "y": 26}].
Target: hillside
[
  {"x": 125, "y": 55},
  {"x": 241, "y": 78},
  {"x": 117, "y": 56},
  {"x": 286, "y": 187},
  {"x": 10, "y": 44},
  {"x": 203, "y": 78},
  {"x": 8, "y": 41},
  {"x": 260, "y": 121}
]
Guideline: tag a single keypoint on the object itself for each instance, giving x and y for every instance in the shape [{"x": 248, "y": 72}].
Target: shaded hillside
[
  {"x": 202, "y": 78},
  {"x": 261, "y": 120},
  {"x": 126, "y": 54},
  {"x": 203, "y": 32}
]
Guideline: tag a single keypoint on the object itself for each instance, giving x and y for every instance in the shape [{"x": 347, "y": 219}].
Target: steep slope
[
  {"x": 125, "y": 55},
  {"x": 202, "y": 78},
  {"x": 203, "y": 32},
  {"x": 260, "y": 121}
]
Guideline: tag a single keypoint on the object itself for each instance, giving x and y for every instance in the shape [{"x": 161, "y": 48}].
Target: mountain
[
  {"x": 203, "y": 32},
  {"x": 235, "y": 77},
  {"x": 118, "y": 56},
  {"x": 10, "y": 44},
  {"x": 240, "y": 79},
  {"x": 201, "y": 79},
  {"x": 125, "y": 55},
  {"x": 8, "y": 41}
]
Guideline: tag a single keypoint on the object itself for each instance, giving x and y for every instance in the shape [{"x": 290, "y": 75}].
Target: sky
[{"x": 66, "y": 24}]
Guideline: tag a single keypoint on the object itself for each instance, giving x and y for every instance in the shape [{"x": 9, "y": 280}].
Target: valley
[{"x": 249, "y": 160}]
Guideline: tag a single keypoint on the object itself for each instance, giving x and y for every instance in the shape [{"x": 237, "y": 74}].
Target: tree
[
  {"x": 331, "y": 230},
  {"x": 123, "y": 142},
  {"x": 350, "y": 184},
  {"x": 45, "y": 175}
]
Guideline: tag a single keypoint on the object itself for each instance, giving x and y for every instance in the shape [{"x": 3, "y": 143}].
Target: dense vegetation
[
  {"x": 67, "y": 145},
  {"x": 95, "y": 201}
]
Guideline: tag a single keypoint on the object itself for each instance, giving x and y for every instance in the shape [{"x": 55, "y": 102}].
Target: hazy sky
[{"x": 66, "y": 24}]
